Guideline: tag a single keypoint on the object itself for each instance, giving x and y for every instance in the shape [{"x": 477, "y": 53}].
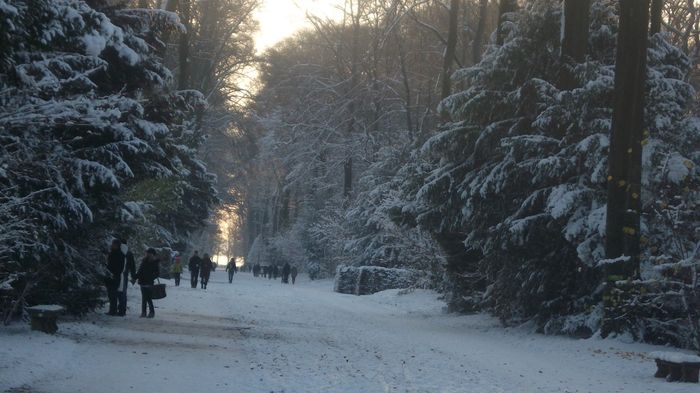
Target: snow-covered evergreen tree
[
  {"x": 518, "y": 176},
  {"x": 93, "y": 141}
]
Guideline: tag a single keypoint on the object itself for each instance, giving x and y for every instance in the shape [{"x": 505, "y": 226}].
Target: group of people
[
  {"x": 200, "y": 269},
  {"x": 120, "y": 268},
  {"x": 274, "y": 271}
]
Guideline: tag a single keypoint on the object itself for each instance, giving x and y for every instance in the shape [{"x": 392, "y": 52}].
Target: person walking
[
  {"x": 193, "y": 266},
  {"x": 293, "y": 272},
  {"x": 231, "y": 269},
  {"x": 285, "y": 273},
  {"x": 177, "y": 268},
  {"x": 275, "y": 272},
  {"x": 256, "y": 270},
  {"x": 146, "y": 275},
  {"x": 205, "y": 270}
]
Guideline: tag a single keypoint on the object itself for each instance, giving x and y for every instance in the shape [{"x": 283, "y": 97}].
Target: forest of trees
[
  {"x": 536, "y": 159},
  {"x": 110, "y": 115},
  {"x": 509, "y": 149}
]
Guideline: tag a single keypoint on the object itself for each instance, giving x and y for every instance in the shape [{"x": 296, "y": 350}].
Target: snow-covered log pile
[
  {"x": 366, "y": 280},
  {"x": 346, "y": 279}
]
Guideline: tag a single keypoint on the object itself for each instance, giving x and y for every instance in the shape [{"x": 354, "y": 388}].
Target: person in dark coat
[
  {"x": 146, "y": 275},
  {"x": 285, "y": 273},
  {"x": 293, "y": 272},
  {"x": 231, "y": 269},
  {"x": 256, "y": 270},
  {"x": 120, "y": 264},
  {"x": 275, "y": 272},
  {"x": 195, "y": 261},
  {"x": 205, "y": 270}
]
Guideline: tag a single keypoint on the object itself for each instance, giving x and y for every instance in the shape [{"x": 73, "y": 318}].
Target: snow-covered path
[{"x": 257, "y": 335}]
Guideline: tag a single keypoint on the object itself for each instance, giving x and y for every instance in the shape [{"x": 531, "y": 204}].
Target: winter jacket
[
  {"x": 195, "y": 261},
  {"x": 115, "y": 265},
  {"x": 148, "y": 271},
  {"x": 120, "y": 263},
  {"x": 177, "y": 266},
  {"x": 205, "y": 268}
]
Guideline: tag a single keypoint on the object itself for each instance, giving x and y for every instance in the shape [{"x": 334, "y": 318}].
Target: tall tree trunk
[
  {"x": 169, "y": 5},
  {"x": 478, "y": 42},
  {"x": 407, "y": 87},
  {"x": 354, "y": 58},
  {"x": 504, "y": 7},
  {"x": 625, "y": 157},
  {"x": 448, "y": 60},
  {"x": 183, "y": 76},
  {"x": 574, "y": 43},
  {"x": 657, "y": 7}
]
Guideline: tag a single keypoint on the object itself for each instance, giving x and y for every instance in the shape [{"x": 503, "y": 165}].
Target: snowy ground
[{"x": 258, "y": 335}]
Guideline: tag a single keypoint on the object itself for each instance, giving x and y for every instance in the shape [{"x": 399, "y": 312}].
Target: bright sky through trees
[{"x": 280, "y": 19}]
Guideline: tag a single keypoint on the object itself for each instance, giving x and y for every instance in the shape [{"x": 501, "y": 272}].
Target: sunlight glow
[{"x": 280, "y": 19}]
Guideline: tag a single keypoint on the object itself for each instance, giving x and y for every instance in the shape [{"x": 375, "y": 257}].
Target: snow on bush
[{"x": 366, "y": 280}]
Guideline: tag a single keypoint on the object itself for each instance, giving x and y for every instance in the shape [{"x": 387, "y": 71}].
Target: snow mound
[{"x": 674, "y": 357}]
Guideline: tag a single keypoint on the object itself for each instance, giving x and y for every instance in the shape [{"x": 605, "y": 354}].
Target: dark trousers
[
  {"x": 205, "y": 281},
  {"x": 230, "y": 276},
  {"x": 294, "y": 278},
  {"x": 121, "y": 302},
  {"x": 177, "y": 279},
  {"x": 117, "y": 300},
  {"x": 112, "y": 296},
  {"x": 147, "y": 299},
  {"x": 193, "y": 278}
]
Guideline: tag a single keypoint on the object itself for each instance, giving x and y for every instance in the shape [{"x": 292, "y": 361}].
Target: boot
[
  {"x": 151, "y": 314},
  {"x": 143, "y": 315}
]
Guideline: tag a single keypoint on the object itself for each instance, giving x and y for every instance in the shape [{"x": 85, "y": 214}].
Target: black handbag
[{"x": 158, "y": 291}]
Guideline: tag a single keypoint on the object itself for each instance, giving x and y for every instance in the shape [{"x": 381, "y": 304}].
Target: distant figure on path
[
  {"x": 286, "y": 269},
  {"x": 275, "y": 272},
  {"x": 256, "y": 270},
  {"x": 177, "y": 268},
  {"x": 205, "y": 270},
  {"x": 294, "y": 274},
  {"x": 147, "y": 274},
  {"x": 231, "y": 269},
  {"x": 195, "y": 261},
  {"x": 120, "y": 264},
  {"x": 265, "y": 271}
]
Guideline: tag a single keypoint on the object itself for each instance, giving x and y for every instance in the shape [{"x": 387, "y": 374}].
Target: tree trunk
[
  {"x": 354, "y": 58},
  {"x": 478, "y": 42},
  {"x": 625, "y": 157},
  {"x": 657, "y": 7},
  {"x": 183, "y": 76},
  {"x": 450, "y": 49},
  {"x": 169, "y": 5},
  {"x": 347, "y": 177},
  {"x": 574, "y": 43},
  {"x": 504, "y": 7},
  {"x": 407, "y": 87}
]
